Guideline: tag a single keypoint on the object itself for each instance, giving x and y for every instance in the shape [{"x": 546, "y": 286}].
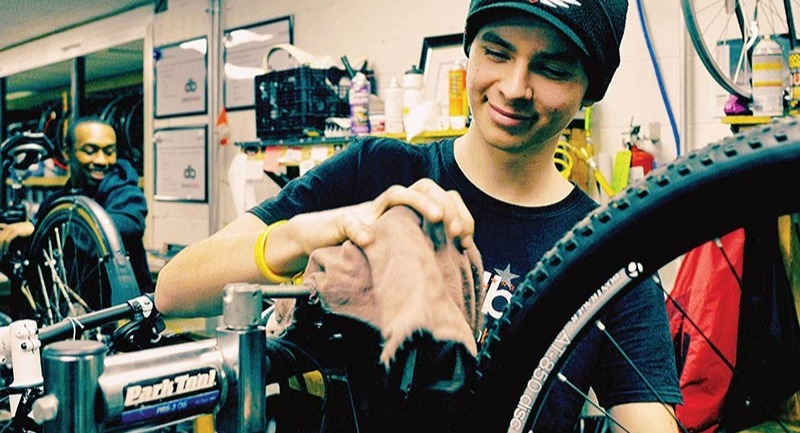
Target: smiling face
[
  {"x": 92, "y": 154},
  {"x": 525, "y": 83}
]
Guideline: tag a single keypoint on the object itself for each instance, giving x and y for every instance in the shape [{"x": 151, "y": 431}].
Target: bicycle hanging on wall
[{"x": 724, "y": 32}]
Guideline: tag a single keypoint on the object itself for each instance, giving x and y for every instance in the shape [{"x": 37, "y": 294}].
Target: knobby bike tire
[
  {"x": 82, "y": 215},
  {"x": 702, "y": 195}
]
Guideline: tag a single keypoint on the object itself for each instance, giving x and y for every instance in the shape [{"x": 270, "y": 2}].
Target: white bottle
[
  {"x": 769, "y": 75},
  {"x": 393, "y": 107},
  {"x": 413, "y": 81}
]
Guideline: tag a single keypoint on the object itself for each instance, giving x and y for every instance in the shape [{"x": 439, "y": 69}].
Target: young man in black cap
[{"x": 532, "y": 65}]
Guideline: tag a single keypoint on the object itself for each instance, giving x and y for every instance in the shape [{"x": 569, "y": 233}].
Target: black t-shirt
[{"x": 511, "y": 240}]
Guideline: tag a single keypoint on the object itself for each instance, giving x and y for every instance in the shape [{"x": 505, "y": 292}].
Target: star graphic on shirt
[{"x": 506, "y": 275}]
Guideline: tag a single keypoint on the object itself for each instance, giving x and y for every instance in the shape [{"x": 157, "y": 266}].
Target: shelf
[
  {"x": 427, "y": 135},
  {"x": 746, "y": 120},
  {"x": 283, "y": 158},
  {"x": 53, "y": 182},
  {"x": 256, "y": 146},
  {"x": 44, "y": 182}
]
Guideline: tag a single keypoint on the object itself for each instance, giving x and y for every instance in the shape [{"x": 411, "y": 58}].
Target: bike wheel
[
  {"x": 722, "y": 33},
  {"x": 720, "y": 187},
  {"x": 76, "y": 262}
]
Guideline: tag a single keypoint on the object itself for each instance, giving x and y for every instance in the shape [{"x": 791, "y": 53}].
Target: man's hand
[
  {"x": 434, "y": 204},
  {"x": 9, "y": 232},
  {"x": 290, "y": 244},
  {"x": 426, "y": 197},
  {"x": 188, "y": 286}
]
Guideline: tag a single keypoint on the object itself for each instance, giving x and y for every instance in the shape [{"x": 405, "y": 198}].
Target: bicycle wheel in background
[
  {"x": 722, "y": 32},
  {"x": 698, "y": 197},
  {"x": 76, "y": 262}
]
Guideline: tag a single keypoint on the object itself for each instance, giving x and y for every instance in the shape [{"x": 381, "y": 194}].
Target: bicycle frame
[{"x": 87, "y": 392}]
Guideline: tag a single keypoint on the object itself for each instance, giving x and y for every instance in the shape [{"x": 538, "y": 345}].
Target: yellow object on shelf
[
  {"x": 746, "y": 120},
  {"x": 426, "y": 135},
  {"x": 204, "y": 424},
  {"x": 583, "y": 153},
  {"x": 621, "y": 171},
  {"x": 563, "y": 159},
  {"x": 43, "y": 181}
]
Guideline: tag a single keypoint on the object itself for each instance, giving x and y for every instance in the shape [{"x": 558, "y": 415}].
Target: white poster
[
  {"x": 181, "y": 78},
  {"x": 180, "y": 160},
  {"x": 245, "y": 51}
]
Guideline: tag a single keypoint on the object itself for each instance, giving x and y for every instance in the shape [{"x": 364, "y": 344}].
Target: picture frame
[
  {"x": 243, "y": 58},
  {"x": 181, "y": 78},
  {"x": 439, "y": 54},
  {"x": 181, "y": 164}
]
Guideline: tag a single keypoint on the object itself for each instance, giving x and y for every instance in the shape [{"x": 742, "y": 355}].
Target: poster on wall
[
  {"x": 181, "y": 77},
  {"x": 245, "y": 51},
  {"x": 181, "y": 163},
  {"x": 439, "y": 54}
]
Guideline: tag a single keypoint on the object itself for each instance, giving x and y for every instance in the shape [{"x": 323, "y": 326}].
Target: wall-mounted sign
[
  {"x": 181, "y": 164},
  {"x": 245, "y": 48},
  {"x": 181, "y": 78}
]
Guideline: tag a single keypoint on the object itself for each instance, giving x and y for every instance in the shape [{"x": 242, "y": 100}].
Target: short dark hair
[{"x": 69, "y": 139}]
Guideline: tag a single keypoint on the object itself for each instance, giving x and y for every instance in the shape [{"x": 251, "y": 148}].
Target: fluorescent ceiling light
[
  {"x": 238, "y": 37},
  {"x": 18, "y": 95},
  {"x": 198, "y": 45}
]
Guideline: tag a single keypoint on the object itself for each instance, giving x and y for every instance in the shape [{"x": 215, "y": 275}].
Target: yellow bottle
[{"x": 457, "y": 84}]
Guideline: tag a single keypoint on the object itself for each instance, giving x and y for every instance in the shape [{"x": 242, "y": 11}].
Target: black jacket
[{"x": 119, "y": 194}]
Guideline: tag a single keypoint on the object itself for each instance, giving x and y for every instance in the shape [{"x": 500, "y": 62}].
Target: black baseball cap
[{"x": 594, "y": 26}]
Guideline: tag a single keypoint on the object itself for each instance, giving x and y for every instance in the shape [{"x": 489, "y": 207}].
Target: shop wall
[
  {"x": 634, "y": 96},
  {"x": 389, "y": 35},
  {"x": 180, "y": 222}
]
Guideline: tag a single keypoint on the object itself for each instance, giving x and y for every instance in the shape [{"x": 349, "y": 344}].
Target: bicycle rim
[
  {"x": 76, "y": 262},
  {"x": 721, "y": 31},
  {"x": 702, "y": 195}
]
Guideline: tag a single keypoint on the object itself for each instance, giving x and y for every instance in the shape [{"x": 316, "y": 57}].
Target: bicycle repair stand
[{"x": 85, "y": 391}]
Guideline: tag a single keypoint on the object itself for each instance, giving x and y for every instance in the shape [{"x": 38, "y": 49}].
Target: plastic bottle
[
  {"x": 794, "y": 78},
  {"x": 457, "y": 80},
  {"x": 412, "y": 89},
  {"x": 393, "y": 107},
  {"x": 769, "y": 75},
  {"x": 359, "y": 104}
]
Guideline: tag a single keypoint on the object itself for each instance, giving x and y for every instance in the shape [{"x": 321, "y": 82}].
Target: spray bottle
[
  {"x": 359, "y": 104},
  {"x": 769, "y": 75}
]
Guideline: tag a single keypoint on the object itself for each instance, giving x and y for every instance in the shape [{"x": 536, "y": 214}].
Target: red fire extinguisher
[
  {"x": 641, "y": 161},
  {"x": 640, "y": 158}
]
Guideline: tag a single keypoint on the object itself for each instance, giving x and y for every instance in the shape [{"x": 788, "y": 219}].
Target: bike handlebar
[{"x": 74, "y": 326}]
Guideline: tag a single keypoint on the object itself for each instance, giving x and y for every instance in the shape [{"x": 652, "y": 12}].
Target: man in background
[{"x": 90, "y": 148}]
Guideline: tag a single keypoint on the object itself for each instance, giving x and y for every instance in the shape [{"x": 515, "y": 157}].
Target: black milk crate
[{"x": 294, "y": 102}]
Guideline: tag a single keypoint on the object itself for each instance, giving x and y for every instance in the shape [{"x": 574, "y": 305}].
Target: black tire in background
[{"x": 78, "y": 244}]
